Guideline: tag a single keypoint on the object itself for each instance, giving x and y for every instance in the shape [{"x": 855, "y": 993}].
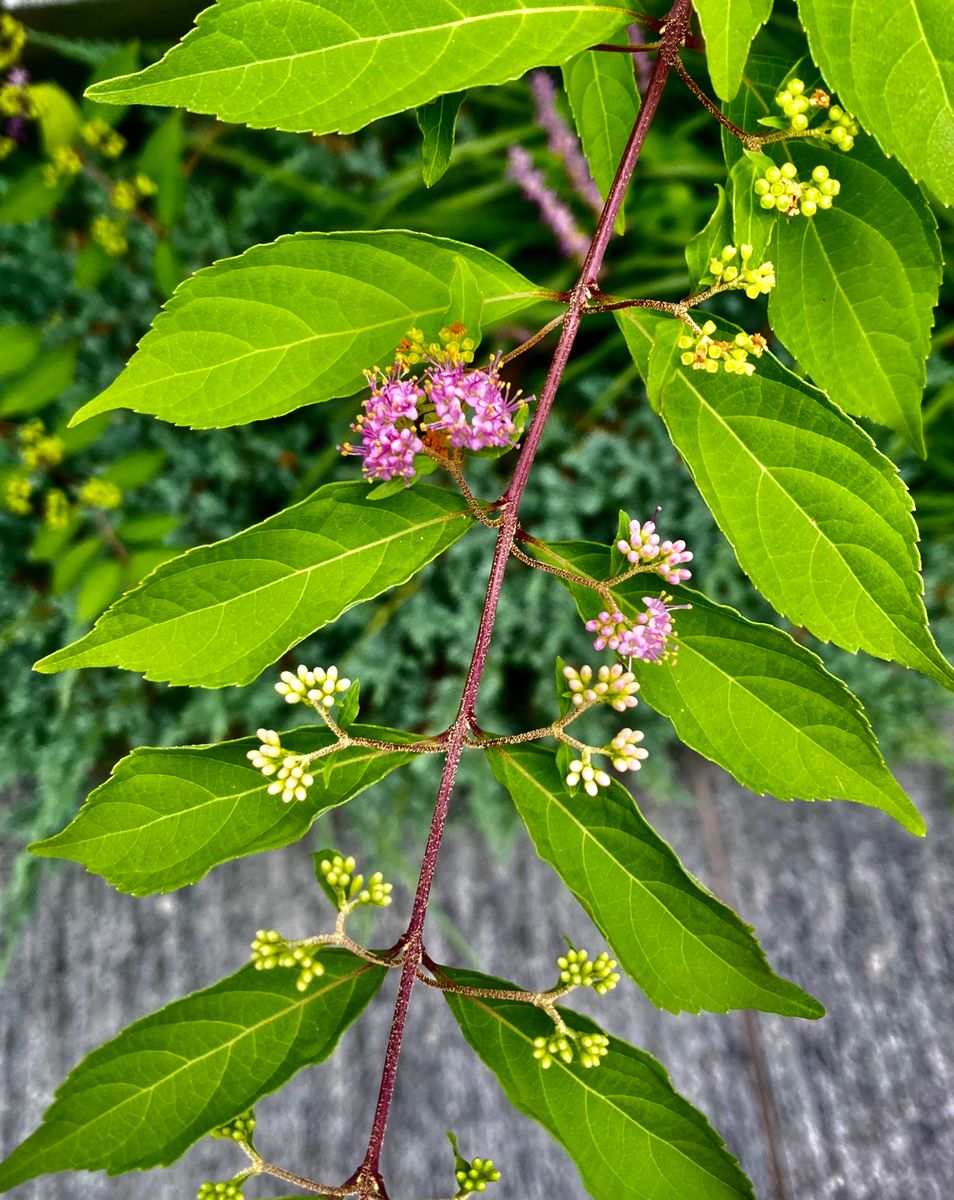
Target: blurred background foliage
[{"x": 103, "y": 211}]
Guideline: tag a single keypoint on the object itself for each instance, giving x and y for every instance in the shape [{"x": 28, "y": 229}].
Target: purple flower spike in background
[
  {"x": 553, "y": 212},
  {"x": 563, "y": 141}
]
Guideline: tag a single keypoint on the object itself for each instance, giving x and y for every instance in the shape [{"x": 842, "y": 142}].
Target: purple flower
[
  {"x": 18, "y": 77},
  {"x": 389, "y": 439},
  {"x": 553, "y": 212},
  {"x": 562, "y": 140},
  {"x": 648, "y": 638},
  {"x": 472, "y": 407}
]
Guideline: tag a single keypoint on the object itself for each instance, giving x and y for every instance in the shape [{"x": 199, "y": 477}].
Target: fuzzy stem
[{"x": 368, "y": 1177}]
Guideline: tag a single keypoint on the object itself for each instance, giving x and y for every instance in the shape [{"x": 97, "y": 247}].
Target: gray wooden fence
[{"x": 859, "y": 1106}]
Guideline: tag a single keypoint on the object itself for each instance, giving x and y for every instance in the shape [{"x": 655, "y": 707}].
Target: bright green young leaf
[
  {"x": 865, "y": 343},
  {"x": 892, "y": 65},
  {"x": 729, "y": 27},
  {"x": 709, "y": 241},
  {"x": 326, "y": 66},
  {"x": 751, "y": 224},
  {"x": 753, "y": 700},
  {"x": 46, "y": 378},
  {"x": 629, "y": 1133},
  {"x": 297, "y": 322},
  {"x": 166, "y": 817},
  {"x": 19, "y": 346},
  {"x": 221, "y": 614},
  {"x": 819, "y": 519},
  {"x": 604, "y": 100},
  {"x": 437, "y": 122},
  {"x": 143, "y": 1098},
  {"x": 688, "y": 952}
]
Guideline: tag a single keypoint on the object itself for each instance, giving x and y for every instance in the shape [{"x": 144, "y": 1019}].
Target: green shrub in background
[{"x": 84, "y": 263}]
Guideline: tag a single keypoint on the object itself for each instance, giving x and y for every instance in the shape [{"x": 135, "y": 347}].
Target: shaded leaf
[
  {"x": 437, "y": 122},
  {"x": 729, "y": 27},
  {"x": 604, "y": 101}
]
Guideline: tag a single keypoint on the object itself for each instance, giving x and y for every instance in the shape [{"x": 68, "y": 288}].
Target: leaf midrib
[
  {"x": 642, "y": 886},
  {"x": 376, "y": 39}
]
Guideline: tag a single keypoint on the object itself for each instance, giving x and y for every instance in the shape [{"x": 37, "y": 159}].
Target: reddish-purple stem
[{"x": 367, "y": 1178}]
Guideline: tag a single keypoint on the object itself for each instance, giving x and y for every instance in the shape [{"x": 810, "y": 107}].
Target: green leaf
[
  {"x": 753, "y": 700},
  {"x": 729, "y": 27},
  {"x": 629, "y": 1133},
  {"x": 437, "y": 122},
  {"x": 687, "y": 951},
  {"x": 466, "y": 304},
  {"x": 19, "y": 346},
  {"x": 604, "y": 101},
  {"x": 73, "y": 562},
  {"x": 143, "y": 1098},
  {"x": 144, "y": 562},
  {"x": 27, "y": 197},
  {"x": 708, "y": 243},
  {"x": 168, "y": 270},
  {"x": 161, "y": 159},
  {"x": 134, "y": 469},
  {"x": 221, "y": 614},
  {"x": 893, "y": 67},
  {"x": 820, "y": 521},
  {"x": 100, "y": 587},
  {"x": 147, "y": 527},
  {"x": 857, "y": 286},
  {"x": 92, "y": 265},
  {"x": 46, "y": 378},
  {"x": 282, "y": 64},
  {"x": 166, "y": 817},
  {"x": 296, "y": 322},
  {"x": 751, "y": 224},
  {"x": 121, "y": 62},
  {"x": 57, "y": 115}
]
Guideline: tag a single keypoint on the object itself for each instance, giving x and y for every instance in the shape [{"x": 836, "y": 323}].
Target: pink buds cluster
[
  {"x": 612, "y": 685},
  {"x": 450, "y": 405},
  {"x": 648, "y": 637},
  {"x": 644, "y": 546}
]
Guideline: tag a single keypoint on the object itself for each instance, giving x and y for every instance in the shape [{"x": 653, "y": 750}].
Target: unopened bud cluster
[
  {"x": 100, "y": 136},
  {"x": 239, "y": 1129},
  {"x": 610, "y": 685},
  {"x": 649, "y": 636},
  {"x": 583, "y": 772},
  {"x": 292, "y": 779},
  {"x": 801, "y": 106},
  {"x": 560, "y": 1047},
  {"x": 227, "y": 1190},
  {"x": 625, "y": 751},
  {"x": 644, "y": 547},
  {"x": 576, "y": 970},
  {"x": 270, "y": 950},
  {"x": 754, "y": 281},
  {"x": 339, "y": 873},
  {"x": 475, "y": 1176},
  {"x": 314, "y": 685},
  {"x": 780, "y": 188},
  {"x": 703, "y": 352}
]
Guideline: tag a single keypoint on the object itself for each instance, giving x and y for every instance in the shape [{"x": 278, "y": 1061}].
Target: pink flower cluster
[
  {"x": 450, "y": 404},
  {"x": 644, "y": 546},
  {"x": 472, "y": 407},
  {"x": 389, "y": 439},
  {"x": 649, "y": 637}
]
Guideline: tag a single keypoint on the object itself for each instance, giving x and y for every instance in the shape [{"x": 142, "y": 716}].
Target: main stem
[{"x": 675, "y": 32}]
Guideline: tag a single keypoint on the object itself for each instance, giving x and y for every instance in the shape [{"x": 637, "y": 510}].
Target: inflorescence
[
  {"x": 728, "y": 274},
  {"x": 648, "y": 636},
  {"x": 643, "y": 546},
  {"x": 780, "y": 188},
  {"x": 801, "y": 107},
  {"x": 339, "y": 873},
  {"x": 450, "y": 406},
  {"x": 703, "y": 352}
]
